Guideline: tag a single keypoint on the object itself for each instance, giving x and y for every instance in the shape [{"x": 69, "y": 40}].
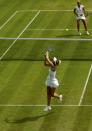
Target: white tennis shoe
[
  {"x": 87, "y": 33},
  {"x": 80, "y": 33},
  {"x": 60, "y": 97},
  {"x": 47, "y": 108}
]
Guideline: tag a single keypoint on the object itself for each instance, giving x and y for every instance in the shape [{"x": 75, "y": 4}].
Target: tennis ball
[{"x": 67, "y": 29}]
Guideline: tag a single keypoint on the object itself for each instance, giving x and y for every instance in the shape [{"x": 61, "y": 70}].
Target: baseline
[
  {"x": 67, "y": 29},
  {"x": 67, "y": 10}
]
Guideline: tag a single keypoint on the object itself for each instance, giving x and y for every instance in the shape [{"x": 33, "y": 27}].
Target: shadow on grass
[
  {"x": 67, "y": 35},
  {"x": 27, "y": 119},
  {"x": 85, "y": 36}
]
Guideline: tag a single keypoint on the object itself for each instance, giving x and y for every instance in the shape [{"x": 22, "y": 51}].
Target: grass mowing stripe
[
  {"x": 20, "y": 35},
  {"x": 9, "y": 19},
  {"x": 85, "y": 86}
]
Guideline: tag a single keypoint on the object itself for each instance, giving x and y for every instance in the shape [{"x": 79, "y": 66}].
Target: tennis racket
[{"x": 50, "y": 49}]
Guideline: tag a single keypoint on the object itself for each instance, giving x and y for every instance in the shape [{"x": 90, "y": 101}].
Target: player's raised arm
[{"x": 47, "y": 61}]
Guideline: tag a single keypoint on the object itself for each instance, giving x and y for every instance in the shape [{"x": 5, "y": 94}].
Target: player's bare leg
[
  {"x": 78, "y": 27},
  {"x": 54, "y": 94},
  {"x": 85, "y": 26},
  {"x": 48, "y": 96},
  {"x": 48, "y": 107}
]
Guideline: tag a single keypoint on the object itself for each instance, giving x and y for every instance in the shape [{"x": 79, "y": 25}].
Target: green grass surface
[
  {"x": 34, "y": 50},
  {"x": 23, "y": 75}
]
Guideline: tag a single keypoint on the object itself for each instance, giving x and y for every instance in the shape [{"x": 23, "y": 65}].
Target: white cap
[{"x": 55, "y": 59}]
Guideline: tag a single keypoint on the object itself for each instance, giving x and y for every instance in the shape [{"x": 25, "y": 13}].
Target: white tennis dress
[
  {"x": 51, "y": 79},
  {"x": 80, "y": 12}
]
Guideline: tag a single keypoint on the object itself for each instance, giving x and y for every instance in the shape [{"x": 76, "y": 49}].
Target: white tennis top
[
  {"x": 51, "y": 79},
  {"x": 79, "y": 10},
  {"x": 52, "y": 75}
]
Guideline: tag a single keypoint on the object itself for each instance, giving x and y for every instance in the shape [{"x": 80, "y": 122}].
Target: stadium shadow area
[
  {"x": 63, "y": 58},
  {"x": 67, "y": 35},
  {"x": 26, "y": 119},
  {"x": 83, "y": 119}
]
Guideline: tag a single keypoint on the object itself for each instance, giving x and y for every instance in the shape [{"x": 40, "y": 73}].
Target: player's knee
[{"x": 52, "y": 94}]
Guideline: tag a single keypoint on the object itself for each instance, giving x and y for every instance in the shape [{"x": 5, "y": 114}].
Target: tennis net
[{"x": 34, "y": 50}]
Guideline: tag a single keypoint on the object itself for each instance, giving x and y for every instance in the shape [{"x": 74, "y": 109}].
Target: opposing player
[
  {"x": 79, "y": 11},
  {"x": 51, "y": 82}
]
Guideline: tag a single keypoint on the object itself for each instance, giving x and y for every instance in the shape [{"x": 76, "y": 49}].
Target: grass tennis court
[{"x": 27, "y": 30}]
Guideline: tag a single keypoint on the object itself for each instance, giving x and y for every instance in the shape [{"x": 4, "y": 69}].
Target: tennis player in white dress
[
  {"x": 51, "y": 82},
  {"x": 79, "y": 11}
]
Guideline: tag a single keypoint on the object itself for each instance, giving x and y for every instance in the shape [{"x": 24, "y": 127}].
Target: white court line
[
  {"x": 46, "y": 39},
  {"x": 55, "y": 29},
  {"x": 39, "y": 105},
  {"x": 50, "y": 10},
  {"x": 85, "y": 86},
  {"x": 20, "y": 35},
  {"x": 45, "y": 10},
  {"x": 8, "y": 19}
]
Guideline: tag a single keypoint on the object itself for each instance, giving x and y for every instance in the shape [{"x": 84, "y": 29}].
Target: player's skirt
[
  {"x": 81, "y": 17},
  {"x": 53, "y": 83}
]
